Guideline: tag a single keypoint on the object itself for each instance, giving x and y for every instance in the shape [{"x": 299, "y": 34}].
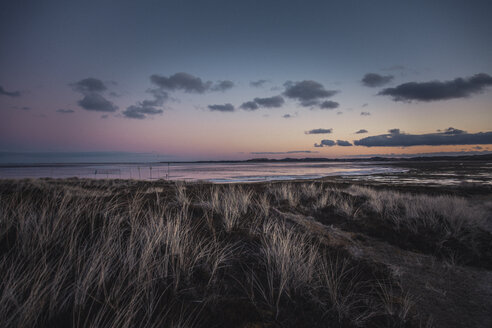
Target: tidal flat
[{"x": 332, "y": 252}]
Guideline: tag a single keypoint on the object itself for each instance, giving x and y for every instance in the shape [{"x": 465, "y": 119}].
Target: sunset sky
[{"x": 214, "y": 80}]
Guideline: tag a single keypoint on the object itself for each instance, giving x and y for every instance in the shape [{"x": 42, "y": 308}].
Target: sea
[{"x": 223, "y": 172}]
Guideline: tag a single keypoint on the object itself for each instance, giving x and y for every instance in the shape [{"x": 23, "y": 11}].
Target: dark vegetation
[{"x": 114, "y": 253}]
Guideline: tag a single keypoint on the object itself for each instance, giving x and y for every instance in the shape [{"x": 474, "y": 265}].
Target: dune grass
[{"x": 86, "y": 253}]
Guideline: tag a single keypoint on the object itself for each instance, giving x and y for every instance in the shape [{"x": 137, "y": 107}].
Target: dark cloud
[
  {"x": 319, "y": 131},
  {"x": 88, "y": 85},
  {"x": 4, "y": 92},
  {"x": 287, "y": 116},
  {"x": 189, "y": 83},
  {"x": 343, "y": 143},
  {"x": 394, "y": 131},
  {"x": 375, "y": 80},
  {"x": 365, "y": 105},
  {"x": 276, "y": 101},
  {"x": 221, "y": 108},
  {"x": 430, "y": 139},
  {"x": 148, "y": 107},
  {"x": 325, "y": 143},
  {"x": 181, "y": 81},
  {"x": 453, "y": 131},
  {"x": 269, "y": 102},
  {"x": 258, "y": 84},
  {"x": 91, "y": 88},
  {"x": 308, "y": 92},
  {"x": 331, "y": 143},
  {"x": 328, "y": 104},
  {"x": 140, "y": 113},
  {"x": 365, "y": 113},
  {"x": 96, "y": 102},
  {"x": 104, "y": 116},
  {"x": 437, "y": 90},
  {"x": 361, "y": 131},
  {"x": 223, "y": 85},
  {"x": 283, "y": 152},
  {"x": 65, "y": 111},
  {"x": 249, "y": 105}
]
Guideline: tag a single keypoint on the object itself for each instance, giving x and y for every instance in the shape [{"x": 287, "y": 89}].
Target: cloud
[
  {"x": 308, "y": 92},
  {"x": 287, "y": 116},
  {"x": 221, "y": 108},
  {"x": 189, "y": 83},
  {"x": 361, "y": 131},
  {"x": 148, "y": 107},
  {"x": 276, "y": 101},
  {"x": 283, "y": 152},
  {"x": 394, "y": 131},
  {"x": 96, "y": 102},
  {"x": 88, "y": 85},
  {"x": 365, "y": 113},
  {"x": 448, "y": 137},
  {"x": 343, "y": 143},
  {"x": 139, "y": 112},
  {"x": 269, "y": 102},
  {"x": 4, "y": 92},
  {"x": 258, "y": 84},
  {"x": 453, "y": 131},
  {"x": 325, "y": 143},
  {"x": 223, "y": 85},
  {"x": 181, "y": 81},
  {"x": 104, "y": 116},
  {"x": 331, "y": 143},
  {"x": 65, "y": 111},
  {"x": 437, "y": 90},
  {"x": 376, "y": 80},
  {"x": 319, "y": 131},
  {"x": 328, "y": 104},
  {"x": 91, "y": 88},
  {"x": 249, "y": 105}
]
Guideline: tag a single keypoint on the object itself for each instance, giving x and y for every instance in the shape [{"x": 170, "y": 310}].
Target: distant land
[
  {"x": 80, "y": 160},
  {"x": 484, "y": 157}
]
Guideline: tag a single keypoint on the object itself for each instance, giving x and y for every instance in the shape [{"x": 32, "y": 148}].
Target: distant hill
[{"x": 485, "y": 157}]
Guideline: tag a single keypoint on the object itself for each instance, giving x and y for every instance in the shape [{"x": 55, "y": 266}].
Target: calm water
[{"x": 223, "y": 172}]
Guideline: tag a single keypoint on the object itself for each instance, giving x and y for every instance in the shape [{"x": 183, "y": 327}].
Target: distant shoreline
[{"x": 484, "y": 157}]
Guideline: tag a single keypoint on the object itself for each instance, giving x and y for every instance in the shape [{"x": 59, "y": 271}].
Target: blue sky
[{"x": 49, "y": 47}]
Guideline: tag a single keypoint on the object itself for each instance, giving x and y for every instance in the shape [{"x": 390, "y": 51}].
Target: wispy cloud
[
  {"x": 221, "y": 108},
  {"x": 4, "y": 92},
  {"x": 65, "y": 111},
  {"x": 319, "y": 131}
]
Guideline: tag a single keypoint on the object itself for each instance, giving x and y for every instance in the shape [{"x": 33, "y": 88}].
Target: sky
[{"x": 216, "y": 80}]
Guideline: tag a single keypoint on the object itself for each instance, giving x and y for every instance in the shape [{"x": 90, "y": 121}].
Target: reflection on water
[
  {"x": 214, "y": 172},
  {"x": 442, "y": 179}
]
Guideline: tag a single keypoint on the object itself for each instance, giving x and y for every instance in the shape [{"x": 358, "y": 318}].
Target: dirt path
[{"x": 445, "y": 294}]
